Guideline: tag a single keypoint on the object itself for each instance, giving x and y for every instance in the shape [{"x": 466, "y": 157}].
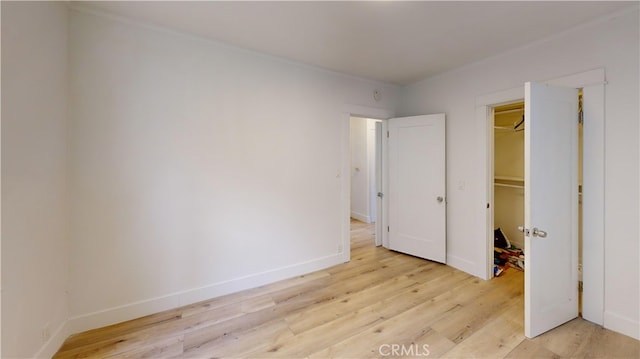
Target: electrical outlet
[{"x": 46, "y": 332}]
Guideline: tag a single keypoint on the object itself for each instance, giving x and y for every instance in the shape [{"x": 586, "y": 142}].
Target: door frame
[
  {"x": 378, "y": 176},
  {"x": 593, "y": 84},
  {"x": 348, "y": 111}
]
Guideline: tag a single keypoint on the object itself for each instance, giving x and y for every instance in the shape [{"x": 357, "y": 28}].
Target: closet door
[{"x": 551, "y": 207}]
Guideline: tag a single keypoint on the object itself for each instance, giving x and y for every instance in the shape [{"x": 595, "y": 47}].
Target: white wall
[
  {"x": 198, "y": 168},
  {"x": 191, "y": 164},
  {"x": 34, "y": 192},
  {"x": 611, "y": 43}
]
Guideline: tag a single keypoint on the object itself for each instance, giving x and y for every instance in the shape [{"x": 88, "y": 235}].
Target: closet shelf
[
  {"x": 508, "y": 182},
  {"x": 518, "y": 183},
  {"x": 508, "y": 185},
  {"x": 508, "y": 178}
]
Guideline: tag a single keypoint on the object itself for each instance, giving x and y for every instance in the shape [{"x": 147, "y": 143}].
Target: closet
[
  {"x": 508, "y": 189},
  {"x": 508, "y": 192}
]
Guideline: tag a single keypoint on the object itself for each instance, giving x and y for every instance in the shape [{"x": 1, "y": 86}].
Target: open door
[
  {"x": 551, "y": 207},
  {"x": 416, "y": 190}
]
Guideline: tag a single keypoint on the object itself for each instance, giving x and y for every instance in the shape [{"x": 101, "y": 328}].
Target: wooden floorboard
[{"x": 379, "y": 301}]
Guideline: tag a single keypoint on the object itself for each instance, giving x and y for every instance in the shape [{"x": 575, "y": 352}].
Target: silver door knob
[
  {"x": 538, "y": 233},
  {"x": 440, "y": 199}
]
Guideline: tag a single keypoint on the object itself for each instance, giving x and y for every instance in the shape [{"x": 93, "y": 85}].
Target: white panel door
[
  {"x": 551, "y": 207},
  {"x": 417, "y": 189}
]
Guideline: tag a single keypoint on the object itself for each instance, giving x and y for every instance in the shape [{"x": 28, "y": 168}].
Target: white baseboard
[
  {"x": 55, "y": 342},
  {"x": 465, "y": 266},
  {"x": 622, "y": 325},
  {"x": 142, "y": 308},
  {"x": 360, "y": 217}
]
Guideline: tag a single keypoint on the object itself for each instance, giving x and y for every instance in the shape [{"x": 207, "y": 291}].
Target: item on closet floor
[
  {"x": 500, "y": 239},
  {"x": 497, "y": 271},
  {"x": 515, "y": 266},
  {"x": 509, "y": 257}
]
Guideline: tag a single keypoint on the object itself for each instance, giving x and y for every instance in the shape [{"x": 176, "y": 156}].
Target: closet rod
[
  {"x": 508, "y": 128},
  {"x": 516, "y": 126},
  {"x": 518, "y": 186},
  {"x": 499, "y": 112}
]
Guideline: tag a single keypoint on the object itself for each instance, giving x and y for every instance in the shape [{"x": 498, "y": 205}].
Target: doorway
[
  {"x": 365, "y": 169},
  {"x": 412, "y": 189},
  {"x": 551, "y": 185},
  {"x": 593, "y": 83},
  {"x": 350, "y": 110},
  {"x": 363, "y": 149},
  {"x": 508, "y": 188}
]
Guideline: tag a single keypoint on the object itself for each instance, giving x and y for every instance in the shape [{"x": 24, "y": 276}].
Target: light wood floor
[{"x": 379, "y": 301}]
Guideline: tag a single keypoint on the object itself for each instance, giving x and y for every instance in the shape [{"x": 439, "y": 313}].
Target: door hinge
[
  {"x": 581, "y": 117},
  {"x": 387, "y": 134},
  {"x": 387, "y": 228},
  {"x": 580, "y": 286}
]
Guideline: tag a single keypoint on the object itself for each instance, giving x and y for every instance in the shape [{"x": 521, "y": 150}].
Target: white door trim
[
  {"x": 593, "y": 82},
  {"x": 351, "y": 110},
  {"x": 379, "y": 168},
  {"x": 385, "y": 184},
  {"x": 593, "y": 203}
]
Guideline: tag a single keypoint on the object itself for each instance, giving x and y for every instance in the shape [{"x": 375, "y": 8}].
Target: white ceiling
[{"x": 395, "y": 42}]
